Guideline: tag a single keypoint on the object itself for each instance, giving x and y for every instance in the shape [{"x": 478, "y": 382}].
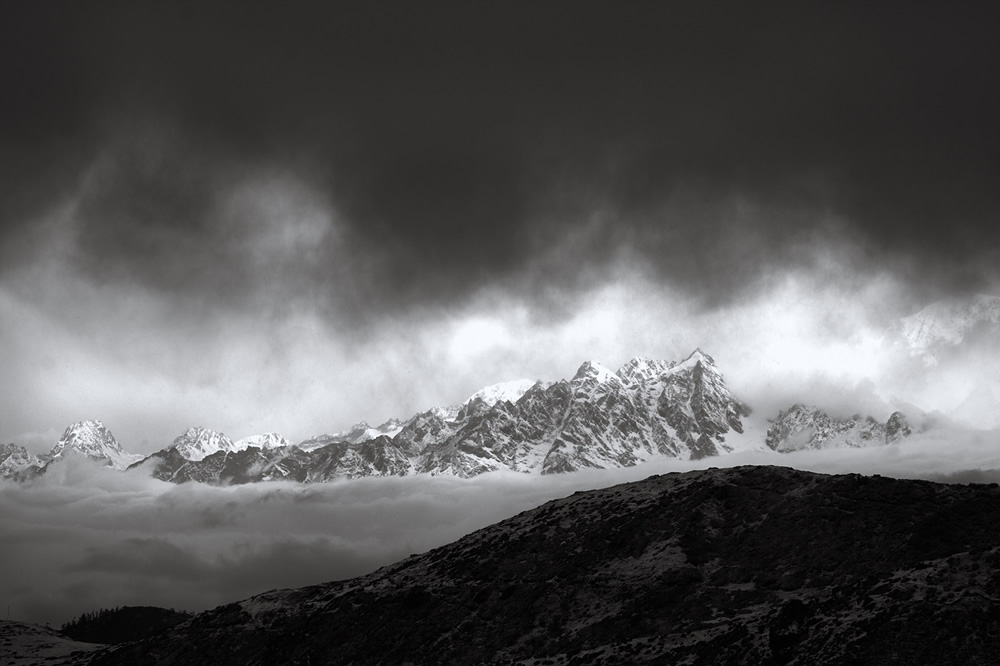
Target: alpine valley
[{"x": 597, "y": 419}]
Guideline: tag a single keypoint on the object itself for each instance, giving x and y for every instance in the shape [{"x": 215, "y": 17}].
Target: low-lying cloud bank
[{"x": 84, "y": 537}]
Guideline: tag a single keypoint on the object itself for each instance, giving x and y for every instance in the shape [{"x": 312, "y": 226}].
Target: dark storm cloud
[{"x": 458, "y": 144}]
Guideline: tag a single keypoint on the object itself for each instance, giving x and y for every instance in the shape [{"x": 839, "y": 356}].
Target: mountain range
[
  {"x": 746, "y": 565},
  {"x": 599, "y": 418},
  {"x": 88, "y": 438},
  {"x": 803, "y": 427}
]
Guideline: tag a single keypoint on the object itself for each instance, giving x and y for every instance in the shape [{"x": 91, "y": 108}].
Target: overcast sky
[{"x": 263, "y": 216}]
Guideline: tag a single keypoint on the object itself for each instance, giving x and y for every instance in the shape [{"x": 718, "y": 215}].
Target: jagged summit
[
  {"x": 269, "y": 440},
  {"x": 645, "y": 369},
  {"x": 94, "y": 440},
  {"x": 510, "y": 391},
  {"x": 808, "y": 427},
  {"x": 641, "y": 369},
  {"x": 17, "y": 463},
  {"x": 600, "y": 419},
  {"x": 197, "y": 443},
  {"x": 594, "y": 371},
  {"x": 597, "y": 419},
  {"x": 645, "y": 410},
  {"x": 698, "y": 355},
  {"x": 357, "y": 433}
]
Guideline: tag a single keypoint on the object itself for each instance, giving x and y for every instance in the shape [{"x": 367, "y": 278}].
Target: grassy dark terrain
[
  {"x": 123, "y": 624},
  {"x": 758, "y": 565}
]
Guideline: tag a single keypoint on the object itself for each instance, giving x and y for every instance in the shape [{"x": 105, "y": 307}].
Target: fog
[{"x": 84, "y": 537}]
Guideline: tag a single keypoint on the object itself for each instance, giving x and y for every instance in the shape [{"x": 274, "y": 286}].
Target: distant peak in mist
[
  {"x": 947, "y": 322},
  {"x": 494, "y": 393}
]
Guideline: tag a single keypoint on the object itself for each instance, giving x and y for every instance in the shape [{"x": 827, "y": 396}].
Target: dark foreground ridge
[
  {"x": 122, "y": 625},
  {"x": 754, "y": 565}
]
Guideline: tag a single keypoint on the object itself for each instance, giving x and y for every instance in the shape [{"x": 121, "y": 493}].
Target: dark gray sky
[{"x": 262, "y": 216}]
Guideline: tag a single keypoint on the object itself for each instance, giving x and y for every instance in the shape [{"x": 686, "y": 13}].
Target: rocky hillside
[
  {"x": 751, "y": 565},
  {"x": 24, "y": 644}
]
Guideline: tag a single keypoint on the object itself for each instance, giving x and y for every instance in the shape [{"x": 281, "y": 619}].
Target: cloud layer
[{"x": 84, "y": 537}]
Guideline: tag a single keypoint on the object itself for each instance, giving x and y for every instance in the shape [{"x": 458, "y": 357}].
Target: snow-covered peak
[
  {"x": 643, "y": 370},
  {"x": 317, "y": 442},
  {"x": 495, "y": 393},
  {"x": 807, "y": 427},
  {"x": 948, "y": 322},
  {"x": 359, "y": 432},
  {"x": 696, "y": 357},
  {"x": 15, "y": 461},
  {"x": 389, "y": 429},
  {"x": 391, "y": 424},
  {"x": 362, "y": 432},
  {"x": 198, "y": 443},
  {"x": 592, "y": 370},
  {"x": 448, "y": 413},
  {"x": 269, "y": 440},
  {"x": 94, "y": 440}
]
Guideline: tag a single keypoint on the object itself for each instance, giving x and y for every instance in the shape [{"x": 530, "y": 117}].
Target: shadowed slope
[{"x": 744, "y": 565}]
